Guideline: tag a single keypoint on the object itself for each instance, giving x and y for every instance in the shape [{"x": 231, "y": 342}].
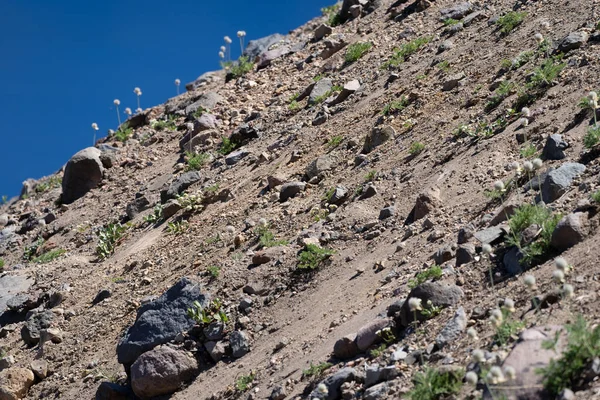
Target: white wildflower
[{"x": 414, "y": 304}]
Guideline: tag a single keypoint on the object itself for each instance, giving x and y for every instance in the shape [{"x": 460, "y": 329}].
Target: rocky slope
[{"x": 433, "y": 151}]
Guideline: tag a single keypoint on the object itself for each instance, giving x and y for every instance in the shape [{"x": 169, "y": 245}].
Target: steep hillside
[{"x": 402, "y": 204}]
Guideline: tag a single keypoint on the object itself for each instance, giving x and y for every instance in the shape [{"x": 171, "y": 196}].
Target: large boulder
[
  {"x": 162, "y": 371},
  {"x": 15, "y": 382},
  {"x": 558, "y": 181},
  {"x": 35, "y": 324},
  {"x": 83, "y": 173},
  {"x": 319, "y": 165},
  {"x": 426, "y": 202},
  {"x": 291, "y": 189},
  {"x": 320, "y": 89},
  {"x": 570, "y": 230},
  {"x": 204, "y": 79},
  {"x": 179, "y": 185},
  {"x": 258, "y": 46},
  {"x": 439, "y": 293},
  {"x": 367, "y": 335},
  {"x": 207, "y": 101},
  {"x": 159, "y": 321}
]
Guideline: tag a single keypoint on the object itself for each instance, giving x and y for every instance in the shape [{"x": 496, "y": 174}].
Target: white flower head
[
  {"x": 515, "y": 166},
  {"x": 561, "y": 264},
  {"x": 241, "y": 34},
  {"x": 528, "y": 166},
  {"x": 497, "y": 314},
  {"x": 110, "y": 131},
  {"x": 116, "y": 102},
  {"x": 510, "y": 372},
  {"x": 568, "y": 290},
  {"x": 523, "y": 122},
  {"x": 221, "y": 54},
  {"x": 177, "y": 82},
  {"x": 496, "y": 376},
  {"x": 227, "y": 39},
  {"x": 138, "y": 110},
  {"x": 128, "y": 111},
  {"x": 526, "y": 112},
  {"x": 322, "y": 388},
  {"x": 223, "y": 49},
  {"x": 95, "y": 126},
  {"x": 593, "y": 96},
  {"x": 529, "y": 281},
  {"x": 538, "y": 38},
  {"x": 472, "y": 333},
  {"x": 537, "y": 163},
  {"x": 593, "y": 104},
  {"x": 478, "y": 356},
  {"x": 137, "y": 91},
  {"x": 499, "y": 186},
  {"x": 262, "y": 222},
  {"x": 414, "y": 304},
  {"x": 509, "y": 305},
  {"x": 558, "y": 276},
  {"x": 471, "y": 378},
  {"x": 486, "y": 249}
]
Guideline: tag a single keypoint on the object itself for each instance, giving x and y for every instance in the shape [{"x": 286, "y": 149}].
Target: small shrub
[
  {"x": 395, "y": 106},
  {"x": 51, "y": 183},
  {"x": 335, "y": 141},
  {"x": 332, "y": 14},
  {"x": 169, "y": 124},
  {"x": 214, "y": 271},
  {"x": 266, "y": 238},
  {"x": 430, "y": 310},
  {"x": 596, "y": 196},
  {"x": 434, "y": 272},
  {"x": 405, "y": 51},
  {"x": 177, "y": 227},
  {"x": 312, "y": 257},
  {"x": 592, "y": 137},
  {"x": 110, "y": 237},
  {"x": 1, "y": 265},
  {"x": 190, "y": 202},
  {"x": 316, "y": 371},
  {"x": 433, "y": 384},
  {"x": 157, "y": 215},
  {"x": 318, "y": 77},
  {"x": 582, "y": 348},
  {"x": 241, "y": 67},
  {"x": 227, "y": 146},
  {"x": 319, "y": 214},
  {"x": 545, "y": 74},
  {"x": 378, "y": 351},
  {"x": 371, "y": 175},
  {"x": 506, "y": 64},
  {"x": 509, "y": 21},
  {"x": 444, "y": 66},
  {"x": 243, "y": 382},
  {"x": 30, "y": 251},
  {"x": 356, "y": 51},
  {"x": 451, "y": 21},
  {"x": 528, "y": 150},
  {"x": 294, "y": 105},
  {"x": 206, "y": 315},
  {"x": 199, "y": 111},
  {"x": 49, "y": 256},
  {"x": 508, "y": 329},
  {"x": 123, "y": 133},
  {"x": 416, "y": 148}
]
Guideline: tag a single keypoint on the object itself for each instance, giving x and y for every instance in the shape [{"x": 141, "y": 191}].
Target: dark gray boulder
[
  {"x": 290, "y": 189},
  {"x": 333, "y": 383},
  {"x": 320, "y": 89},
  {"x": 319, "y": 165},
  {"x": 179, "y": 185},
  {"x": 456, "y": 11},
  {"x": 204, "y": 79},
  {"x": 159, "y": 321},
  {"x": 558, "y": 181},
  {"x": 83, "y": 173},
  {"x": 377, "y": 137},
  {"x": 554, "y": 147},
  {"x": 258, "y": 46},
  {"x": 208, "y": 101},
  {"x": 30, "y": 333},
  {"x": 570, "y": 230},
  {"x": 439, "y": 293}
]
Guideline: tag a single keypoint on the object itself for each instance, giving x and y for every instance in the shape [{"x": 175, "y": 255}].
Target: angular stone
[
  {"x": 333, "y": 384},
  {"x": 321, "y": 31},
  {"x": 443, "y": 254},
  {"x": 258, "y": 46},
  {"x": 456, "y": 12},
  {"x": 236, "y": 156},
  {"x": 83, "y": 173},
  {"x": 452, "y": 81},
  {"x": 208, "y": 101},
  {"x": 572, "y": 41},
  {"x": 320, "y": 89},
  {"x": 339, "y": 195},
  {"x": 512, "y": 261},
  {"x": 571, "y": 229},
  {"x": 159, "y": 321},
  {"x": 490, "y": 235},
  {"x": 345, "y": 348},
  {"x": 367, "y": 335},
  {"x": 376, "y": 392},
  {"x": 35, "y": 324},
  {"x": 112, "y": 391},
  {"x": 15, "y": 382},
  {"x": 349, "y": 88},
  {"x": 267, "y": 57},
  {"x": 39, "y": 368},
  {"x": 179, "y": 185},
  {"x": 439, "y": 293},
  {"x": 465, "y": 254},
  {"x": 554, "y": 147},
  {"x": 377, "y": 137},
  {"x": 162, "y": 371},
  {"x": 239, "y": 341},
  {"x": 170, "y": 208},
  {"x": 453, "y": 329},
  {"x": 558, "y": 181},
  {"x": 202, "y": 80},
  {"x": 216, "y": 350},
  {"x": 291, "y": 189},
  {"x": 387, "y": 212},
  {"x": 426, "y": 202}
]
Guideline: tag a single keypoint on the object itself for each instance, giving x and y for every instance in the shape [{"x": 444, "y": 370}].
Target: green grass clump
[
  {"x": 592, "y": 137},
  {"x": 195, "y": 161},
  {"x": 528, "y": 150},
  {"x": 356, "y": 51},
  {"x": 395, "y": 106},
  {"x": 1, "y": 265},
  {"x": 596, "y": 196},
  {"x": 199, "y": 111},
  {"x": 451, "y": 21},
  {"x": 214, "y": 271},
  {"x": 335, "y": 141},
  {"x": 434, "y": 384},
  {"x": 110, "y": 237},
  {"x": 157, "y": 215},
  {"x": 169, "y": 124},
  {"x": 30, "y": 251},
  {"x": 444, "y": 66},
  {"x": 405, "y": 51},
  {"x": 582, "y": 348},
  {"x": 227, "y": 146},
  {"x": 312, "y": 256},
  {"x": 241, "y": 67},
  {"x": 49, "y": 256},
  {"x": 294, "y": 105},
  {"x": 525, "y": 216},
  {"x": 371, "y": 175},
  {"x": 266, "y": 238},
  {"x": 316, "y": 370},
  {"x": 378, "y": 351},
  {"x": 51, "y": 183},
  {"x": 434, "y": 272},
  {"x": 545, "y": 74},
  {"x": 502, "y": 92},
  {"x": 332, "y": 14},
  {"x": 243, "y": 382},
  {"x": 509, "y": 21},
  {"x": 508, "y": 329},
  {"x": 177, "y": 227},
  {"x": 416, "y": 148},
  {"x": 123, "y": 133}
]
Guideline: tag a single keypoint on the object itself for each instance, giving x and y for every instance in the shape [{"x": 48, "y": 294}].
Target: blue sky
[{"x": 64, "y": 61}]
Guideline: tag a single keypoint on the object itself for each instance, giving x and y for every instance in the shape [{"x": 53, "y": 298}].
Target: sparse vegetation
[
  {"x": 433, "y": 272},
  {"x": 509, "y": 21},
  {"x": 51, "y": 183},
  {"x": 378, "y": 351},
  {"x": 241, "y": 67},
  {"x": 335, "y": 141},
  {"x": 371, "y": 175},
  {"x": 169, "y": 124},
  {"x": 206, "y": 315},
  {"x": 1, "y": 265},
  {"x": 312, "y": 257},
  {"x": 155, "y": 216},
  {"x": 190, "y": 202},
  {"x": 266, "y": 238},
  {"x": 227, "y": 146},
  {"x": 507, "y": 329},
  {"x": 48, "y": 256},
  {"x": 405, "y": 51},
  {"x": 451, "y": 21},
  {"x": 110, "y": 237},
  {"x": 596, "y": 196},
  {"x": 199, "y": 111},
  {"x": 444, "y": 66},
  {"x": 416, "y": 148},
  {"x": 356, "y": 51},
  {"x": 528, "y": 150},
  {"x": 294, "y": 105},
  {"x": 566, "y": 371},
  {"x": 243, "y": 382},
  {"x": 332, "y": 14},
  {"x": 214, "y": 271},
  {"x": 592, "y": 137},
  {"x": 30, "y": 251},
  {"x": 316, "y": 371},
  {"x": 546, "y": 73},
  {"x": 177, "y": 227},
  {"x": 434, "y": 384},
  {"x": 123, "y": 133},
  {"x": 395, "y": 106},
  {"x": 195, "y": 161}
]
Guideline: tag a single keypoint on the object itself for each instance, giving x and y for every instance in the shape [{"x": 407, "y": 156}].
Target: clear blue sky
[{"x": 62, "y": 62}]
